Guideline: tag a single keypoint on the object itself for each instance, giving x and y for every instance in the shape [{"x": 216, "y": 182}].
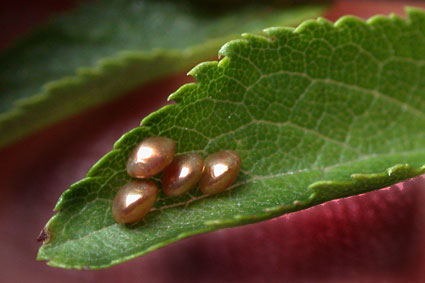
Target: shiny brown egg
[
  {"x": 182, "y": 174},
  {"x": 150, "y": 157},
  {"x": 134, "y": 200},
  {"x": 220, "y": 171}
]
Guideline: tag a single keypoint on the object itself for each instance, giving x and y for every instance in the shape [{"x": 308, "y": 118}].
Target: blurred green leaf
[
  {"x": 317, "y": 113},
  {"x": 105, "y": 48}
]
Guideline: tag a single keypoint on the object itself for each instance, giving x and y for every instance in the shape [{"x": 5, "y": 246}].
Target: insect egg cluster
[{"x": 179, "y": 174}]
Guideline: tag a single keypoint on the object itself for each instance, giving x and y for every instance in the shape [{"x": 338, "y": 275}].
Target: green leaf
[
  {"x": 317, "y": 113},
  {"x": 107, "y": 47}
]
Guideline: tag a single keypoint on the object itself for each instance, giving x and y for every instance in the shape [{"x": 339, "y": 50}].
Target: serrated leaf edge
[{"x": 395, "y": 174}]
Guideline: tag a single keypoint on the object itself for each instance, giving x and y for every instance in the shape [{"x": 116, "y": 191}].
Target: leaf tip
[{"x": 44, "y": 236}]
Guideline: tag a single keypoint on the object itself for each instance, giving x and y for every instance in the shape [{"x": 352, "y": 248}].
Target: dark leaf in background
[{"x": 104, "y": 48}]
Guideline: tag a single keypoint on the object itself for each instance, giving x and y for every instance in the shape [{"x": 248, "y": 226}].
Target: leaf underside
[
  {"x": 107, "y": 47},
  {"x": 317, "y": 113}
]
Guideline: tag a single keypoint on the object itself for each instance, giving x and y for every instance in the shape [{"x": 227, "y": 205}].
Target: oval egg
[
  {"x": 150, "y": 157},
  {"x": 134, "y": 200},
  {"x": 182, "y": 174},
  {"x": 220, "y": 171}
]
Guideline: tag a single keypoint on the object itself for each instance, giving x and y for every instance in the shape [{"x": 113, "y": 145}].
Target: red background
[{"x": 375, "y": 237}]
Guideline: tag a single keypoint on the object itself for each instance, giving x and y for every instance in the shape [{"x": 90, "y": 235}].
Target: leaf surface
[
  {"x": 317, "y": 113},
  {"x": 105, "y": 48}
]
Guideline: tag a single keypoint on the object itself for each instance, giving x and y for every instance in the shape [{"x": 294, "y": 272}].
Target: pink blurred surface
[{"x": 374, "y": 237}]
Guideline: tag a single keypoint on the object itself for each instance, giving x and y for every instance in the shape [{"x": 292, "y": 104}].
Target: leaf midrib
[
  {"x": 254, "y": 178},
  {"x": 253, "y": 121}
]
